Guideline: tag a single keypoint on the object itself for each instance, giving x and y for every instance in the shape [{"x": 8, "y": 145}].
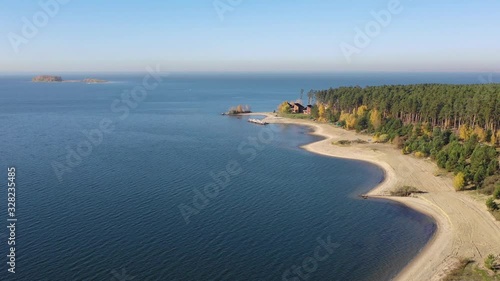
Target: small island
[
  {"x": 93, "y": 81},
  {"x": 51, "y": 78},
  {"x": 240, "y": 109},
  {"x": 47, "y": 78}
]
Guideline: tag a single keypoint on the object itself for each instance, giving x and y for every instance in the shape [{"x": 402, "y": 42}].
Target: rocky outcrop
[{"x": 93, "y": 81}]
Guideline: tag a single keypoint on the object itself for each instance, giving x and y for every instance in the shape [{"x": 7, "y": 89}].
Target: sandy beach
[{"x": 464, "y": 226}]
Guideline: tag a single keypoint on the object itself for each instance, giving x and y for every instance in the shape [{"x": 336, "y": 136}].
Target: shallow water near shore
[{"x": 117, "y": 211}]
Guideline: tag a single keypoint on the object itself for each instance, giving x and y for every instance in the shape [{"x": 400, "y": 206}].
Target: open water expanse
[{"x": 160, "y": 186}]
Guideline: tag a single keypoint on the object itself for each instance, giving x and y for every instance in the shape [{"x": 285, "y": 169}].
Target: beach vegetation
[
  {"x": 440, "y": 172},
  {"x": 342, "y": 142},
  {"x": 460, "y": 270},
  {"x": 496, "y": 214},
  {"x": 360, "y": 141},
  {"x": 459, "y": 181},
  {"x": 420, "y": 154},
  {"x": 491, "y": 204},
  {"x": 381, "y": 138},
  {"x": 490, "y": 262},
  {"x": 496, "y": 193},
  {"x": 295, "y": 116},
  {"x": 490, "y": 184},
  {"x": 404, "y": 191},
  {"x": 468, "y": 269},
  {"x": 399, "y": 142}
]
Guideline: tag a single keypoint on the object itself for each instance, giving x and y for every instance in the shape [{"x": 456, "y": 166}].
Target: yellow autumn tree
[
  {"x": 284, "y": 108},
  {"x": 420, "y": 154},
  {"x": 361, "y": 110},
  {"x": 481, "y": 134},
  {"x": 464, "y": 132},
  {"x": 459, "y": 181},
  {"x": 375, "y": 119},
  {"x": 495, "y": 137},
  {"x": 343, "y": 116},
  {"x": 380, "y": 138},
  {"x": 350, "y": 122},
  {"x": 321, "y": 112}
]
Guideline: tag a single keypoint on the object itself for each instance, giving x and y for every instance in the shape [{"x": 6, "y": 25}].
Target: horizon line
[{"x": 55, "y": 72}]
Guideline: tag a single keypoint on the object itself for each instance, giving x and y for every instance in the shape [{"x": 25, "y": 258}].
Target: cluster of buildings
[{"x": 299, "y": 108}]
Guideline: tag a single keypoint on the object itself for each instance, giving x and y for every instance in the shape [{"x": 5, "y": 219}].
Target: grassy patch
[
  {"x": 440, "y": 172},
  {"x": 360, "y": 141},
  {"x": 342, "y": 142},
  {"x": 295, "y": 116},
  {"x": 348, "y": 142},
  {"x": 404, "y": 191},
  {"x": 467, "y": 270},
  {"x": 460, "y": 272},
  {"x": 496, "y": 214}
]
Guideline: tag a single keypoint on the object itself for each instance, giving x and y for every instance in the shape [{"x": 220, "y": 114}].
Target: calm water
[{"x": 115, "y": 213}]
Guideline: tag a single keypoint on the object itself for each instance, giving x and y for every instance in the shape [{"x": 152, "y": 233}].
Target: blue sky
[{"x": 253, "y": 35}]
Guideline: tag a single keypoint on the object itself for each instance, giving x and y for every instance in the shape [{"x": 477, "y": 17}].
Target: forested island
[
  {"x": 47, "y": 78},
  {"x": 51, "y": 78},
  {"x": 458, "y": 126}
]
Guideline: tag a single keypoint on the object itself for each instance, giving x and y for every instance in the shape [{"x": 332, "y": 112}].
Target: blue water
[{"x": 115, "y": 213}]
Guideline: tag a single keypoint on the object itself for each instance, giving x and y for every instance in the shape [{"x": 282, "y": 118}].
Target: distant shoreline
[
  {"x": 58, "y": 79},
  {"x": 464, "y": 227},
  {"x": 69, "y": 81}
]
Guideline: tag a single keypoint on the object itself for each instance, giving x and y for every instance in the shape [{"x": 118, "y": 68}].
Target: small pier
[{"x": 257, "y": 121}]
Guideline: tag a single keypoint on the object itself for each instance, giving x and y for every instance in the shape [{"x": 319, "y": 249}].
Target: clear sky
[{"x": 250, "y": 35}]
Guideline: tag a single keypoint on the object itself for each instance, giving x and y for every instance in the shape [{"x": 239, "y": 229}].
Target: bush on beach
[
  {"x": 496, "y": 193},
  {"x": 459, "y": 181},
  {"x": 404, "y": 191},
  {"x": 491, "y": 204}
]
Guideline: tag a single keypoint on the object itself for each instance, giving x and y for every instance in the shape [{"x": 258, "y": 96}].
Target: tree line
[{"x": 456, "y": 125}]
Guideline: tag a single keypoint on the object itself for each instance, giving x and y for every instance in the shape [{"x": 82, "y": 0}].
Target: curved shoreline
[{"x": 464, "y": 227}]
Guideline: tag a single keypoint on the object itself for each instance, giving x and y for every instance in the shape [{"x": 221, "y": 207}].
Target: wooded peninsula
[{"x": 458, "y": 126}]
